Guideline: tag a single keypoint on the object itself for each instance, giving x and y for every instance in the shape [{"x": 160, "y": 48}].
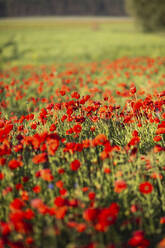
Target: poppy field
[{"x": 82, "y": 155}]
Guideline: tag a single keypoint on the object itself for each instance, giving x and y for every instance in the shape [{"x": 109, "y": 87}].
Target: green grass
[{"x": 56, "y": 40}]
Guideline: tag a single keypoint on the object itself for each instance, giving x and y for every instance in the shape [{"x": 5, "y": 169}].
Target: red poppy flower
[
  {"x": 75, "y": 165},
  {"x": 75, "y": 95},
  {"x": 46, "y": 175},
  {"x": 145, "y": 188},
  {"x": 80, "y": 227},
  {"x": 17, "y": 204},
  {"x": 162, "y": 220},
  {"x": 1, "y": 175},
  {"x": 29, "y": 241},
  {"x": 29, "y": 214},
  {"x": 134, "y": 141},
  {"x": 36, "y": 203},
  {"x": 59, "y": 184},
  {"x": 160, "y": 130},
  {"x": 135, "y": 133},
  {"x": 36, "y": 189},
  {"x": 107, "y": 217},
  {"x": 2, "y": 161},
  {"x": 52, "y": 127},
  {"x": 63, "y": 118},
  {"x": 91, "y": 195},
  {"x": 138, "y": 240},
  {"x": 107, "y": 170},
  {"x": 33, "y": 126},
  {"x": 59, "y": 201},
  {"x": 77, "y": 128},
  {"x": 19, "y": 186},
  {"x": 157, "y": 138},
  {"x": 61, "y": 171},
  {"x": 158, "y": 148},
  {"x": 14, "y": 164},
  {"x": 62, "y": 92},
  {"x": 63, "y": 191},
  {"x": 120, "y": 185},
  {"x": 61, "y": 212},
  {"x": 100, "y": 139},
  {"x": 91, "y": 214},
  {"x": 40, "y": 158},
  {"x": 5, "y": 229},
  {"x": 53, "y": 145},
  {"x": 132, "y": 89},
  {"x": 25, "y": 179}
]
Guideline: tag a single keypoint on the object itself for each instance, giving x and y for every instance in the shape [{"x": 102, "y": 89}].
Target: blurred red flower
[
  {"x": 77, "y": 128},
  {"x": 120, "y": 185},
  {"x": 40, "y": 158},
  {"x": 145, "y": 188},
  {"x": 14, "y": 164},
  {"x": 75, "y": 165}
]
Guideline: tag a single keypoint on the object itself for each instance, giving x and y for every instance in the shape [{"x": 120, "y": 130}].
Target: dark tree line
[{"x": 61, "y": 7}]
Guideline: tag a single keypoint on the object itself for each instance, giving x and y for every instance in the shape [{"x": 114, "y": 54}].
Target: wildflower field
[{"x": 82, "y": 152}]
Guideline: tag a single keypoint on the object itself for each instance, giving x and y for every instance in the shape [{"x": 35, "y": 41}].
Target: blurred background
[
  {"x": 61, "y": 7},
  {"x": 41, "y": 32}
]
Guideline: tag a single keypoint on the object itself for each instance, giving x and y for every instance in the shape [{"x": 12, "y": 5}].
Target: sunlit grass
[{"x": 53, "y": 40}]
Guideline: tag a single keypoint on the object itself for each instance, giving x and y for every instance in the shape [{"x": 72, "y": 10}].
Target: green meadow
[{"x": 59, "y": 40}]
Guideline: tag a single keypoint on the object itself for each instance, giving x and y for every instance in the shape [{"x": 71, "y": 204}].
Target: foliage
[{"x": 149, "y": 14}]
